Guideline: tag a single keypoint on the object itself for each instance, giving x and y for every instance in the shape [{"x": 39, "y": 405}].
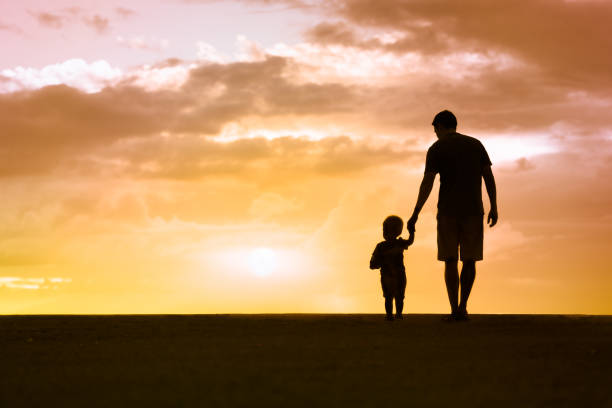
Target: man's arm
[
  {"x": 424, "y": 191},
  {"x": 489, "y": 180}
]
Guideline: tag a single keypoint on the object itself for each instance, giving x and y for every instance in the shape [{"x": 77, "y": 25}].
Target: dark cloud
[
  {"x": 256, "y": 88},
  {"x": 424, "y": 40},
  {"x": 44, "y": 127},
  {"x": 283, "y": 159},
  {"x": 569, "y": 40},
  {"x": 489, "y": 100}
]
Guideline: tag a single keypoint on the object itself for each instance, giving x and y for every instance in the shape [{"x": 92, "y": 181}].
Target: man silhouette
[{"x": 462, "y": 163}]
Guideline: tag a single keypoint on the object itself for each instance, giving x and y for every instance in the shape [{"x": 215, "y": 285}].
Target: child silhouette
[{"x": 389, "y": 257}]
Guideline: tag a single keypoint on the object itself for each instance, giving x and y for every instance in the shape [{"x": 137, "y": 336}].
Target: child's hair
[{"x": 393, "y": 224}]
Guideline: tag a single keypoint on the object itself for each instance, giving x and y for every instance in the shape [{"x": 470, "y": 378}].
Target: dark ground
[{"x": 305, "y": 360}]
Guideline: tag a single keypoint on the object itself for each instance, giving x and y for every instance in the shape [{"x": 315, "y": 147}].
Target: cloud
[
  {"x": 280, "y": 160},
  {"x": 98, "y": 23},
  {"x": 245, "y": 51},
  {"x": 395, "y": 40},
  {"x": 125, "y": 12},
  {"x": 175, "y": 104},
  {"x": 254, "y": 88},
  {"x": 288, "y": 3},
  {"x": 12, "y": 282},
  {"x": 10, "y": 27},
  {"x": 503, "y": 240},
  {"x": 61, "y": 18},
  {"x": 55, "y": 122},
  {"x": 50, "y": 20},
  {"x": 89, "y": 77},
  {"x": 142, "y": 43},
  {"x": 59, "y": 122},
  {"x": 566, "y": 45},
  {"x": 268, "y": 205},
  {"x": 209, "y": 53},
  {"x": 523, "y": 164}
]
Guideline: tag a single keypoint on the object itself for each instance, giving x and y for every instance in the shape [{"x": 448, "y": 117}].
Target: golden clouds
[{"x": 167, "y": 133}]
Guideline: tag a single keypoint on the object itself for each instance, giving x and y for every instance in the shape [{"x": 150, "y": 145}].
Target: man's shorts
[{"x": 464, "y": 233}]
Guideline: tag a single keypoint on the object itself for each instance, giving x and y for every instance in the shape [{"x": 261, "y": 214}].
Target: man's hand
[
  {"x": 412, "y": 223},
  {"x": 487, "y": 174},
  {"x": 492, "y": 218}
]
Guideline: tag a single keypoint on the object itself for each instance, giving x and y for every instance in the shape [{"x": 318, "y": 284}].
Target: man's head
[
  {"x": 444, "y": 123},
  {"x": 392, "y": 227}
]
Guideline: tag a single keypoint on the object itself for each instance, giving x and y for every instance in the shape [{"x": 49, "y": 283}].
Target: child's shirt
[{"x": 389, "y": 257}]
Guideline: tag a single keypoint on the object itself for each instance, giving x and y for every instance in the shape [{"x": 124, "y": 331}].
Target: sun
[{"x": 263, "y": 262}]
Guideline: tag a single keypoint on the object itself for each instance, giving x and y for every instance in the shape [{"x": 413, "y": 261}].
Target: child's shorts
[{"x": 393, "y": 286}]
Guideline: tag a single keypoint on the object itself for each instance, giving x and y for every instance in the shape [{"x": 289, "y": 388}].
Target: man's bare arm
[
  {"x": 489, "y": 180},
  {"x": 424, "y": 191}
]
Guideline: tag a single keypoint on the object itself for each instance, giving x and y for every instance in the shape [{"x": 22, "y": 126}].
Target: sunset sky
[{"x": 185, "y": 156}]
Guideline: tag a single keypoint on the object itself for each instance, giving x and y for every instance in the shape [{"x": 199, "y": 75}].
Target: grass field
[{"x": 305, "y": 360}]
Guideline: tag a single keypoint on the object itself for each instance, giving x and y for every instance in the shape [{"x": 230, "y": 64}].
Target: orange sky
[{"x": 239, "y": 156}]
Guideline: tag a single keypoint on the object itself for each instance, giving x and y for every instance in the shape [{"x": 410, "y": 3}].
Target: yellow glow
[{"x": 263, "y": 262}]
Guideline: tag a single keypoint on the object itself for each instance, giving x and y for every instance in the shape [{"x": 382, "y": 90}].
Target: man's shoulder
[
  {"x": 435, "y": 146},
  {"x": 469, "y": 139}
]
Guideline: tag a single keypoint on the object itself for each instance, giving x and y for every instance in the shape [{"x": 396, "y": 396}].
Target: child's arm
[
  {"x": 375, "y": 260},
  {"x": 407, "y": 242}
]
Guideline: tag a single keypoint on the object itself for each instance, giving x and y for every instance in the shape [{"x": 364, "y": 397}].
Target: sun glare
[{"x": 263, "y": 262}]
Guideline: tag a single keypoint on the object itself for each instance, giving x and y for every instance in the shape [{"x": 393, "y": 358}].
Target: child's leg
[
  {"x": 399, "y": 295},
  {"x": 389, "y": 306}
]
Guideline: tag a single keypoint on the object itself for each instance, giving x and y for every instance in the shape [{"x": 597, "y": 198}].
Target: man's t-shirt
[{"x": 459, "y": 159}]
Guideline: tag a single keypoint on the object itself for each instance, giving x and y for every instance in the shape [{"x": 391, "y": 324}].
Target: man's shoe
[
  {"x": 399, "y": 316},
  {"x": 389, "y": 318},
  {"x": 462, "y": 315}
]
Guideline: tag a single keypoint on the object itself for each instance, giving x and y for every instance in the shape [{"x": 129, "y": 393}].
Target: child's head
[{"x": 392, "y": 227}]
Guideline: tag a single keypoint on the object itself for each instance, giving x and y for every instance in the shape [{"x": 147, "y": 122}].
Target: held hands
[
  {"x": 492, "y": 218},
  {"x": 412, "y": 223},
  {"x": 410, "y": 240}
]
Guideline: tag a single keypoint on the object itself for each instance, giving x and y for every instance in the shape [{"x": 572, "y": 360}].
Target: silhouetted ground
[{"x": 305, "y": 360}]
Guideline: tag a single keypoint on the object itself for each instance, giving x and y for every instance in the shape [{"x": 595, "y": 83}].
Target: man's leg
[
  {"x": 451, "y": 277},
  {"x": 470, "y": 241},
  {"x": 389, "y": 306},
  {"x": 468, "y": 274},
  {"x": 399, "y": 306}
]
